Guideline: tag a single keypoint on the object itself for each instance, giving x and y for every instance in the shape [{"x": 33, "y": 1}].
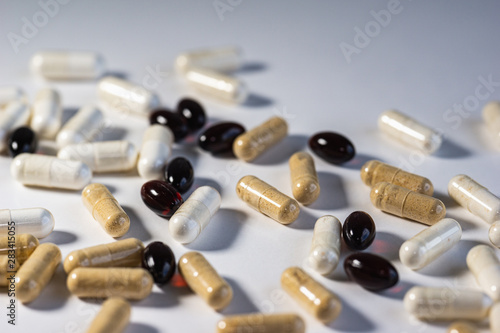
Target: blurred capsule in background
[
  {"x": 180, "y": 174},
  {"x": 84, "y": 126},
  {"x": 161, "y": 197},
  {"x": 67, "y": 65},
  {"x": 491, "y": 117},
  {"x": 14, "y": 115},
  {"x": 192, "y": 112},
  {"x": 11, "y": 93},
  {"x": 47, "y": 113},
  {"x": 219, "y": 138},
  {"x": 332, "y": 147},
  {"x": 221, "y": 59},
  {"x": 22, "y": 140},
  {"x": 174, "y": 121}
]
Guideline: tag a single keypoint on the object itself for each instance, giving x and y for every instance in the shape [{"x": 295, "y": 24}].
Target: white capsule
[
  {"x": 50, "y": 171},
  {"x": 409, "y": 131},
  {"x": 429, "y": 244},
  {"x": 475, "y": 198},
  {"x": 494, "y": 234},
  {"x": 221, "y": 59},
  {"x": 446, "y": 303},
  {"x": 67, "y": 65},
  {"x": 16, "y": 114},
  {"x": 491, "y": 117},
  {"x": 10, "y": 94},
  {"x": 325, "y": 248},
  {"x": 38, "y": 222},
  {"x": 495, "y": 318},
  {"x": 47, "y": 114},
  {"x": 155, "y": 151},
  {"x": 194, "y": 214},
  {"x": 485, "y": 266},
  {"x": 84, "y": 126}
]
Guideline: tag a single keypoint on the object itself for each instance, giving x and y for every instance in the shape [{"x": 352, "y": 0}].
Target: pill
[
  {"x": 122, "y": 253},
  {"x": 172, "y": 120},
  {"x": 8, "y": 269},
  {"x": 314, "y": 297},
  {"x": 161, "y": 197},
  {"x": 461, "y": 327},
  {"x": 332, "y": 147},
  {"x": 47, "y": 113},
  {"x": 485, "y": 266},
  {"x": 262, "y": 323},
  {"x": 204, "y": 280},
  {"x": 103, "y": 156},
  {"x": 97, "y": 282},
  {"x": 249, "y": 145},
  {"x": 22, "y": 140},
  {"x": 491, "y": 117},
  {"x": 223, "y": 59},
  {"x": 217, "y": 85},
  {"x": 494, "y": 234},
  {"x": 67, "y": 65},
  {"x": 192, "y": 112},
  {"x": 402, "y": 202},
  {"x": 305, "y": 184},
  {"x": 475, "y": 198},
  {"x": 9, "y": 94},
  {"x": 14, "y": 115},
  {"x": 219, "y": 138},
  {"x": 155, "y": 150},
  {"x": 409, "y": 132},
  {"x": 431, "y": 303},
  {"x": 125, "y": 96},
  {"x": 20, "y": 245},
  {"x": 268, "y": 200},
  {"x": 84, "y": 126},
  {"x": 358, "y": 230},
  {"x": 325, "y": 249},
  {"x": 36, "y": 272},
  {"x": 374, "y": 172},
  {"x": 38, "y": 222},
  {"x": 495, "y": 318},
  {"x": 105, "y": 209},
  {"x": 430, "y": 244},
  {"x": 371, "y": 271},
  {"x": 194, "y": 214},
  {"x": 180, "y": 174},
  {"x": 159, "y": 260},
  {"x": 113, "y": 317}
]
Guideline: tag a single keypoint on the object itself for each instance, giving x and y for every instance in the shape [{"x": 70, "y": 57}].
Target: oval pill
[
  {"x": 155, "y": 151},
  {"x": 332, "y": 147},
  {"x": 494, "y": 234},
  {"x": 180, "y": 174},
  {"x": 262, "y": 323},
  {"x": 221, "y": 59},
  {"x": 47, "y": 113},
  {"x": 325, "y": 249},
  {"x": 172, "y": 120},
  {"x": 491, "y": 117},
  {"x": 358, "y": 230},
  {"x": 371, "y": 271},
  {"x": 113, "y": 317},
  {"x": 22, "y": 140},
  {"x": 159, "y": 260},
  {"x": 14, "y": 115},
  {"x": 38, "y": 222},
  {"x": 23, "y": 246},
  {"x": 192, "y": 112},
  {"x": 84, "y": 126},
  {"x": 10, "y": 94},
  {"x": 219, "y": 138},
  {"x": 305, "y": 184},
  {"x": 161, "y": 197},
  {"x": 485, "y": 266},
  {"x": 67, "y": 65}
]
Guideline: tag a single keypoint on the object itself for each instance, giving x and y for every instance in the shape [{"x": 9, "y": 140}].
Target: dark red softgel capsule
[
  {"x": 172, "y": 120},
  {"x": 358, "y": 230},
  {"x": 22, "y": 140},
  {"x": 180, "y": 174},
  {"x": 159, "y": 260},
  {"x": 161, "y": 197},
  {"x": 192, "y": 112},
  {"x": 370, "y": 271},
  {"x": 219, "y": 138},
  {"x": 332, "y": 147}
]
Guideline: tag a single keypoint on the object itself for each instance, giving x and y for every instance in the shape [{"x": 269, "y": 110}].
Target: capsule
[
  {"x": 325, "y": 249},
  {"x": 491, "y": 117},
  {"x": 36, "y": 272},
  {"x": 494, "y": 234},
  {"x": 129, "y": 283},
  {"x": 262, "y": 323},
  {"x": 22, "y": 140},
  {"x": 495, "y": 318},
  {"x": 332, "y": 147},
  {"x": 305, "y": 184},
  {"x": 113, "y": 317},
  {"x": 172, "y": 120},
  {"x": 194, "y": 214},
  {"x": 220, "y": 59},
  {"x": 371, "y": 271},
  {"x": 122, "y": 253},
  {"x": 192, "y": 112},
  {"x": 9, "y": 94},
  {"x": 409, "y": 132},
  {"x": 47, "y": 113},
  {"x": 67, "y": 65},
  {"x": 248, "y": 146},
  {"x": 374, "y": 172},
  {"x": 38, "y": 222},
  {"x": 105, "y": 209},
  {"x": 22, "y": 246},
  {"x": 358, "y": 231},
  {"x": 219, "y": 138},
  {"x": 204, "y": 280},
  {"x": 267, "y": 200},
  {"x": 475, "y": 198},
  {"x": 156, "y": 149},
  {"x": 402, "y": 202},
  {"x": 159, "y": 260},
  {"x": 180, "y": 174},
  {"x": 429, "y": 303},
  {"x": 14, "y": 115},
  {"x": 161, "y": 197},
  {"x": 461, "y": 327},
  {"x": 104, "y": 156},
  {"x": 485, "y": 266},
  {"x": 8, "y": 269},
  {"x": 84, "y": 126}
]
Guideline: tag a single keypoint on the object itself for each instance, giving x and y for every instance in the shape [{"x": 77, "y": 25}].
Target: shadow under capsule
[
  {"x": 450, "y": 149},
  {"x": 332, "y": 192},
  {"x": 351, "y": 320},
  {"x": 137, "y": 228},
  {"x": 241, "y": 303},
  {"x": 358, "y": 161},
  {"x": 255, "y": 100},
  {"x": 134, "y": 327},
  {"x": 282, "y": 151},
  {"x": 59, "y": 237}
]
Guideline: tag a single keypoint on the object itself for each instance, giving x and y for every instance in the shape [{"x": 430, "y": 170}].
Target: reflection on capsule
[
  {"x": 485, "y": 266},
  {"x": 325, "y": 248}
]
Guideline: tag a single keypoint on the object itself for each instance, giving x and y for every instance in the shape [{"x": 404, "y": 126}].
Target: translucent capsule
[
  {"x": 38, "y": 222},
  {"x": 430, "y": 244},
  {"x": 495, "y": 318},
  {"x": 325, "y": 249},
  {"x": 485, "y": 266},
  {"x": 204, "y": 280},
  {"x": 409, "y": 132},
  {"x": 84, "y": 126},
  {"x": 475, "y": 198},
  {"x": 429, "y": 303},
  {"x": 22, "y": 246},
  {"x": 113, "y": 317},
  {"x": 155, "y": 151},
  {"x": 36, "y": 272},
  {"x": 194, "y": 214},
  {"x": 402, "y": 202},
  {"x": 105, "y": 209},
  {"x": 16, "y": 114},
  {"x": 47, "y": 113},
  {"x": 67, "y": 65},
  {"x": 494, "y": 234},
  {"x": 8, "y": 269},
  {"x": 305, "y": 184},
  {"x": 129, "y": 283},
  {"x": 222, "y": 59},
  {"x": 262, "y": 323},
  {"x": 267, "y": 200},
  {"x": 491, "y": 117},
  {"x": 9, "y": 94},
  {"x": 248, "y": 146},
  {"x": 461, "y": 327}
]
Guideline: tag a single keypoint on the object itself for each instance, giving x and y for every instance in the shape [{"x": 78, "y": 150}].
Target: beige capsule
[
  {"x": 21, "y": 246},
  {"x": 305, "y": 184},
  {"x": 8, "y": 267},
  {"x": 495, "y": 318},
  {"x": 204, "y": 280},
  {"x": 461, "y": 327},
  {"x": 113, "y": 317},
  {"x": 262, "y": 323}
]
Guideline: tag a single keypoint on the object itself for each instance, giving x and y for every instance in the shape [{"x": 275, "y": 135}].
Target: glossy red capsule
[
  {"x": 161, "y": 197},
  {"x": 332, "y": 147},
  {"x": 370, "y": 271},
  {"x": 159, "y": 260},
  {"x": 172, "y": 120},
  {"x": 192, "y": 112},
  {"x": 22, "y": 140},
  {"x": 219, "y": 138},
  {"x": 358, "y": 230}
]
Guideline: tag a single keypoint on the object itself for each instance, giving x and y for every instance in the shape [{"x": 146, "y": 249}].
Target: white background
[{"x": 424, "y": 61}]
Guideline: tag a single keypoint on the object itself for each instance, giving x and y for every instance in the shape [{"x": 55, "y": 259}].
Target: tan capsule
[
  {"x": 22, "y": 246},
  {"x": 37, "y": 271},
  {"x": 373, "y": 172},
  {"x": 402, "y": 202},
  {"x": 262, "y": 323},
  {"x": 129, "y": 283},
  {"x": 8, "y": 267},
  {"x": 495, "y": 318},
  {"x": 105, "y": 209},
  {"x": 204, "y": 280},
  {"x": 249, "y": 145},
  {"x": 267, "y": 199},
  {"x": 113, "y": 317},
  {"x": 122, "y": 253},
  {"x": 461, "y": 327},
  {"x": 319, "y": 301},
  {"x": 305, "y": 184}
]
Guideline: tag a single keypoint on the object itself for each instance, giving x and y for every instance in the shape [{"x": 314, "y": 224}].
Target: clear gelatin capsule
[
  {"x": 155, "y": 151},
  {"x": 409, "y": 132},
  {"x": 325, "y": 249},
  {"x": 23, "y": 245},
  {"x": 14, "y": 115},
  {"x": 262, "y": 323},
  {"x": 494, "y": 234},
  {"x": 221, "y": 59},
  {"x": 491, "y": 117},
  {"x": 47, "y": 114},
  {"x": 38, "y": 222},
  {"x": 67, "y": 65},
  {"x": 495, "y": 318},
  {"x": 84, "y": 126},
  {"x": 8, "y": 269},
  {"x": 9, "y": 94},
  {"x": 305, "y": 184},
  {"x": 485, "y": 266},
  {"x": 113, "y": 317}
]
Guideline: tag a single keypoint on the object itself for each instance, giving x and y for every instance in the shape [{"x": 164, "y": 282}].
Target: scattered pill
[
  {"x": 461, "y": 327},
  {"x": 494, "y": 234},
  {"x": 14, "y": 115},
  {"x": 305, "y": 184},
  {"x": 180, "y": 174},
  {"x": 495, "y": 318},
  {"x": 38, "y": 222},
  {"x": 485, "y": 266},
  {"x": 159, "y": 260},
  {"x": 219, "y": 138},
  {"x": 262, "y": 323},
  {"x": 84, "y": 126},
  {"x": 325, "y": 249},
  {"x": 161, "y": 197},
  {"x": 332, "y": 147},
  {"x": 223, "y": 59},
  {"x": 22, "y": 140},
  {"x": 67, "y": 65},
  {"x": 174, "y": 121},
  {"x": 358, "y": 230},
  {"x": 21, "y": 245},
  {"x": 491, "y": 117},
  {"x": 371, "y": 271},
  {"x": 47, "y": 113},
  {"x": 113, "y": 317},
  {"x": 8, "y": 269},
  {"x": 155, "y": 151},
  {"x": 192, "y": 112},
  {"x": 10, "y": 94}
]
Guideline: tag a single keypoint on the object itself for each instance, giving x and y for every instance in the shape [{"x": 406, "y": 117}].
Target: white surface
[{"x": 427, "y": 61}]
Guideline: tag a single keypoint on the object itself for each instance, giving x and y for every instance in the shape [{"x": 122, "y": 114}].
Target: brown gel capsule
[
  {"x": 122, "y": 253},
  {"x": 24, "y": 246},
  {"x": 129, "y": 283},
  {"x": 402, "y": 202},
  {"x": 262, "y": 323},
  {"x": 204, "y": 280},
  {"x": 267, "y": 200},
  {"x": 7, "y": 270},
  {"x": 374, "y": 172},
  {"x": 113, "y": 317},
  {"x": 305, "y": 184},
  {"x": 248, "y": 146},
  {"x": 105, "y": 209},
  {"x": 319, "y": 301},
  {"x": 37, "y": 271}
]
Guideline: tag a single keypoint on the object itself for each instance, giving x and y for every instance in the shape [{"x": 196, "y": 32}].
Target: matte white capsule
[
  {"x": 50, "y": 171},
  {"x": 67, "y": 65},
  {"x": 409, "y": 131},
  {"x": 16, "y": 114},
  {"x": 155, "y": 151},
  {"x": 494, "y": 234},
  {"x": 194, "y": 214},
  {"x": 103, "y": 156},
  {"x": 325, "y": 248},
  {"x": 221, "y": 59},
  {"x": 485, "y": 266},
  {"x": 495, "y": 318},
  {"x": 10, "y": 94},
  {"x": 84, "y": 126},
  {"x": 491, "y": 117},
  {"x": 38, "y": 222},
  {"x": 429, "y": 244},
  {"x": 47, "y": 114}
]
